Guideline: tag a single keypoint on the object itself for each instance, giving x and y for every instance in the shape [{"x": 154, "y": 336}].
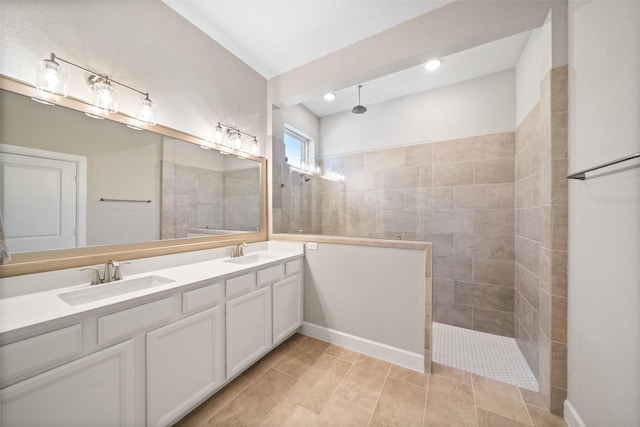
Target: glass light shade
[
  {"x": 255, "y": 147},
  {"x": 217, "y": 134},
  {"x": 146, "y": 111},
  {"x": 51, "y": 77},
  {"x": 237, "y": 141},
  {"x": 105, "y": 96}
]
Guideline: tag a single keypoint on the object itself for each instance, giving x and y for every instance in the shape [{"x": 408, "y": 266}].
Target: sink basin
[
  {"x": 112, "y": 289},
  {"x": 250, "y": 259}
]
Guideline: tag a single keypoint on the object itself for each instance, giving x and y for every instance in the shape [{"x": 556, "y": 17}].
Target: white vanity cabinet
[
  {"x": 153, "y": 361},
  {"x": 248, "y": 329},
  {"x": 95, "y": 390},
  {"x": 185, "y": 364}
]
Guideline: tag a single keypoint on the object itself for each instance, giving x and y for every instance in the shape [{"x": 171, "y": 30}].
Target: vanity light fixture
[
  {"x": 51, "y": 77},
  {"x": 330, "y": 96},
  {"x": 433, "y": 64},
  {"x": 233, "y": 139}
]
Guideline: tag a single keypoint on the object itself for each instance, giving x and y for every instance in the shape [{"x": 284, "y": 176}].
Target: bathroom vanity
[{"x": 147, "y": 349}]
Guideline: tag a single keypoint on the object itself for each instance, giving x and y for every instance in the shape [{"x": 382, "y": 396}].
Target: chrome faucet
[
  {"x": 107, "y": 276},
  {"x": 238, "y": 251}
]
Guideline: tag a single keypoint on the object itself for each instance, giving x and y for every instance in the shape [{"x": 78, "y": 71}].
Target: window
[{"x": 297, "y": 148}]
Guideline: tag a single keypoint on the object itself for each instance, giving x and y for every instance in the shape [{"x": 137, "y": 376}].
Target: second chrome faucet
[{"x": 108, "y": 275}]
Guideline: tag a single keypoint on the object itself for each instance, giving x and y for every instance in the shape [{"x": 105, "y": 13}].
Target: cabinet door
[
  {"x": 287, "y": 307},
  {"x": 185, "y": 363},
  {"x": 97, "y": 390},
  {"x": 248, "y": 329}
]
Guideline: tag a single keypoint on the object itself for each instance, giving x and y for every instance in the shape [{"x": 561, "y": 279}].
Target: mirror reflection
[{"x": 68, "y": 180}]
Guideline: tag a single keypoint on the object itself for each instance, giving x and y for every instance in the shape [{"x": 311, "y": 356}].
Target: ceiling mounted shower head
[{"x": 359, "y": 109}]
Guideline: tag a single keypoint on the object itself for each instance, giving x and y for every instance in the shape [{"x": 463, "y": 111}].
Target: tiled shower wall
[
  {"x": 457, "y": 194},
  {"x": 197, "y": 197},
  {"x": 541, "y": 238}
]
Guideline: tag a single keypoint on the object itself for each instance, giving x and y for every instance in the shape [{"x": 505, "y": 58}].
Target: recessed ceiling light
[
  {"x": 329, "y": 96},
  {"x": 432, "y": 64}
]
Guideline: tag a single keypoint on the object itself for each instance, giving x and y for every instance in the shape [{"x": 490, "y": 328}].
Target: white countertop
[{"x": 23, "y": 313}]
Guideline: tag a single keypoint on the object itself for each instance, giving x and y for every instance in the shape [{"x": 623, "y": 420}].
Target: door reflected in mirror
[{"x": 69, "y": 181}]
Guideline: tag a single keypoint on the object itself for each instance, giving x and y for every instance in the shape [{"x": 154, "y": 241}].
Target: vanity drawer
[
  {"x": 127, "y": 322},
  {"x": 196, "y": 299},
  {"x": 271, "y": 274},
  {"x": 293, "y": 267},
  {"x": 39, "y": 352},
  {"x": 241, "y": 284}
]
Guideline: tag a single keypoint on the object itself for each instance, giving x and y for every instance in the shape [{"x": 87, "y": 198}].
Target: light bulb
[
  {"x": 433, "y": 64},
  {"x": 237, "y": 141},
  {"x": 330, "y": 96},
  {"x": 255, "y": 147},
  {"x": 146, "y": 111},
  {"x": 105, "y": 96},
  {"x": 217, "y": 134},
  {"x": 51, "y": 77}
]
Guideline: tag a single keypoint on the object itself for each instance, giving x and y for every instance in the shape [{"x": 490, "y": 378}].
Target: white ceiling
[
  {"x": 273, "y": 37},
  {"x": 479, "y": 61}
]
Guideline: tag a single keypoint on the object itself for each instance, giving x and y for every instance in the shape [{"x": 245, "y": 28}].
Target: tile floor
[
  {"x": 306, "y": 382},
  {"x": 489, "y": 355}
]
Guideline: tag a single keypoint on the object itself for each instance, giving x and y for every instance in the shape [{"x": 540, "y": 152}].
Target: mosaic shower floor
[{"x": 484, "y": 354}]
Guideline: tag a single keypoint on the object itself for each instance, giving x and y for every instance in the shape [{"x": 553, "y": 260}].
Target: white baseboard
[
  {"x": 571, "y": 416},
  {"x": 398, "y": 356}
]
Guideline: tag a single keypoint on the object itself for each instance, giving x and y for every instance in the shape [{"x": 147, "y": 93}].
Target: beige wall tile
[
  {"x": 389, "y": 220},
  {"x": 443, "y": 291},
  {"x": 452, "y": 174},
  {"x": 493, "y": 222},
  {"x": 416, "y": 199},
  {"x": 488, "y": 196},
  {"x": 528, "y": 223},
  {"x": 559, "y": 319},
  {"x": 544, "y": 309},
  {"x": 493, "y": 272},
  {"x": 485, "y": 147},
  {"x": 528, "y": 161},
  {"x": 455, "y": 315},
  {"x": 426, "y": 176},
  {"x": 528, "y": 191},
  {"x": 559, "y": 135},
  {"x": 544, "y": 363},
  {"x": 488, "y": 246},
  {"x": 559, "y": 90},
  {"x": 558, "y": 365},
  {"x": 559, "y": 182},
  {"x": 443, "y": 198},
  {"x": 493, "y": 322},
  {"x": 398, "y": 178},
  {"x": 451, "y": 267},
  {"x": 449, "y": 221},
  {"x": 527, "y": 284},
  {"x": 544, "y": 183},
  {"x": 559, "y": 223},
  {"x": 418, "y": 155},
  {"x": 494, "y": 171},
  {"x": 383, "y": 159},
  {"x": 490, "y": 297},
  {"x": 442, "y": 242},
  {"x": 528, "y": 347},
  {"x": 524, "y": 313},
  {"x": 559, "y": 273},
  {"x": 527, "y": 254},
  {"x": 443, "y": 152}
]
